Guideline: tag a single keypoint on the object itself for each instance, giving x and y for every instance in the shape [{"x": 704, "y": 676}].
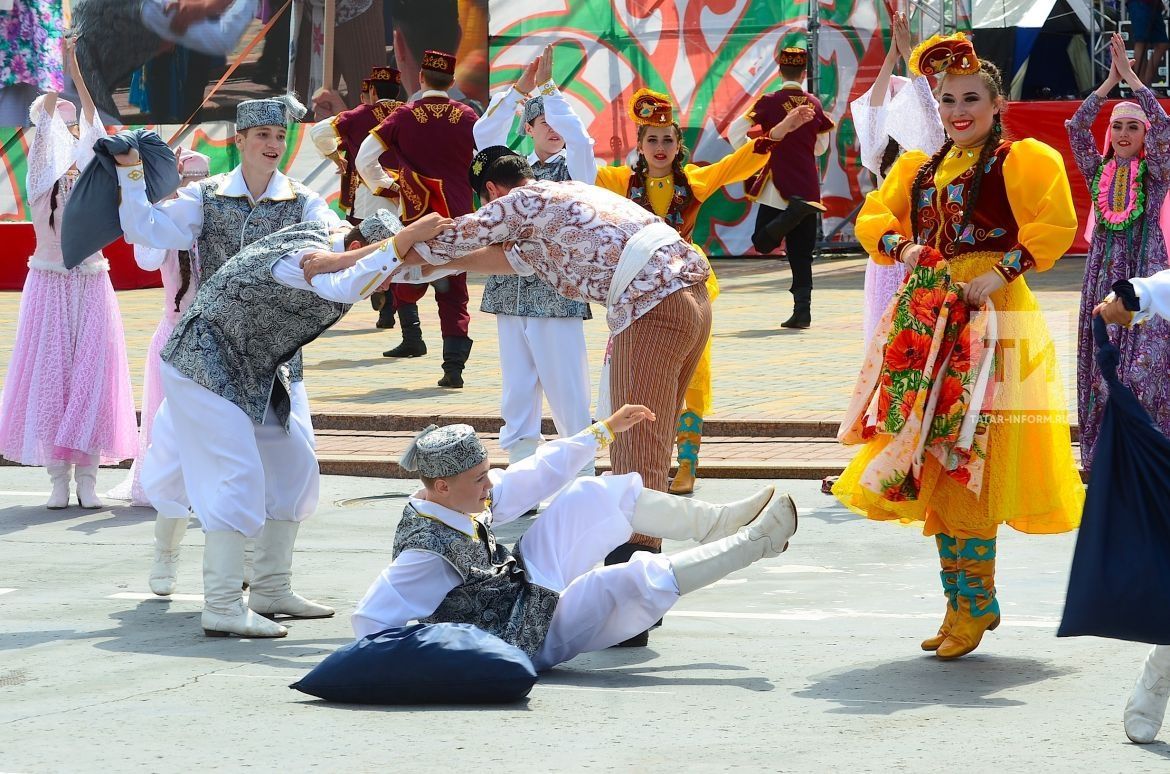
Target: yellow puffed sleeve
[
  {"x": 732, "y": 168},
  {"x": 1041, "y": 200},
  {"x": 887, "y": 208},
  {"x": 616, "y": 179}
]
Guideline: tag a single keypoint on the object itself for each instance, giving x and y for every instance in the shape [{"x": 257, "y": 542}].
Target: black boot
[
  {"x": 385, "y": 310},
  {"x": 771, "y": 234},
  {"x": 801, "y": 310},
  {"x": 621, "y": 555},
  {"x": 456, "y": 350},
  {"x": 412, "y": 341}
]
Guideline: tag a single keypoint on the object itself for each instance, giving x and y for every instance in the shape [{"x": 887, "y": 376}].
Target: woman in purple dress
[{"x": 1128, "y": 183}]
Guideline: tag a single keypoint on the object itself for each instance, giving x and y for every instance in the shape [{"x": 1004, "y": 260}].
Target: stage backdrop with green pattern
[{"x": 714, "y": 58}]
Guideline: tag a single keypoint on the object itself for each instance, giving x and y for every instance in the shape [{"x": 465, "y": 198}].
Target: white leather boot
[
  {"x": 1147, "y": 704},
  {"x": 663, "y": 515},
  {"x": 168, "y": 537},
  {"x": 86, "y": 477},
  {"x": 767, "y": 536},
  {"x": 59, "y": 475},
  {"x": 271, "y": 590},
  {"x": 224, "y": 612},
  {"x": 249, "y": 562}
]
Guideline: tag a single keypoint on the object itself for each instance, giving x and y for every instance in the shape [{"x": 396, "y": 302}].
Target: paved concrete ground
[
  {"x": 762, "y": 371},
  {"x": 778, "y": 393},
  {"x": 804, "y": 663}
]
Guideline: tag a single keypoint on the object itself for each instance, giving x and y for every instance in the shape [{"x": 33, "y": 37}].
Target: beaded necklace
[
  {"x": 1119, "y": 195},
  {"x": 682, "y": 194}
]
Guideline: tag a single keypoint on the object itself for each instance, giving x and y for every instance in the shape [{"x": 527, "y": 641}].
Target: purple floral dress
[
  {"x": 1137, "y": 251},
  {"x": 30, "y": 45}
]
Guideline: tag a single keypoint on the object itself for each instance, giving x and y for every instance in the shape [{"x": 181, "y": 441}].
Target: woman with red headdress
[
  {"x": 1128, "y": 180},
  {"x": 977, "y": 215}
]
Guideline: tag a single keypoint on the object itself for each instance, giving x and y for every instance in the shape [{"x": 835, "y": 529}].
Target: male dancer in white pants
[
  {"x": 546, "y": 597},
  {"x": 541, "y": 333},
  {"x": 242, "y": 432}
]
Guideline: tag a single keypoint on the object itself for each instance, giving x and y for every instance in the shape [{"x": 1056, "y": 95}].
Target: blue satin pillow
[{"x": 442, "y": 663}]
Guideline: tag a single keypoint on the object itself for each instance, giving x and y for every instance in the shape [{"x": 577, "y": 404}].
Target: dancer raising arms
[
  {"x": 1128, "y": 182},
  {"x": 216, "y": 217},
  {"x": 67, "y": 400},
  {"x": 180, "y": 280}
]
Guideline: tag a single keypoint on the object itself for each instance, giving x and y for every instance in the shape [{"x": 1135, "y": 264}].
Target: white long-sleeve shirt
[
  {"x": 416, "y": 582},
  {"x": 347, "y": 286},
  {"x": 176, "y": 224},
  {"x": 368, "y": 162},
  {"x": 365, "y": 204},
  {"x": 495, "y": 127},
  {"x": 1153, "y": 294},
  {"x": 217, "y": 36}
]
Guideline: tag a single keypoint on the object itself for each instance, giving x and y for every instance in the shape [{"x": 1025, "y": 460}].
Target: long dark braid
[
  {"x": 925, "y": 172},
  {"x": 889, "y": 156},
  {"x": 53, "y": 205},
  {"x": 184, "y": 276},
  {"x": 994, "y": 82}
]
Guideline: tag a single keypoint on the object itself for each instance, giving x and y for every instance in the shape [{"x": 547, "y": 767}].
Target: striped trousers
[{"x": 651, "y": 364}]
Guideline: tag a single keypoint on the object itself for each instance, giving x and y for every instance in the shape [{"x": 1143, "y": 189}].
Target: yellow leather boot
[
  {"x": 978, "y": 610},
  {"x": 690, "y": 436},
  {"x": 949, "y": 560}
]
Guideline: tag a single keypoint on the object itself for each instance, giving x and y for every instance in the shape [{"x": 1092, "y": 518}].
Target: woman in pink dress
[
  {"x": 180, "y": 279},
  {"x": 67, "y": 402}
]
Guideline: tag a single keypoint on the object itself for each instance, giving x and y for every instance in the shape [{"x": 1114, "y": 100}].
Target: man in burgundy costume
[
  {"x": 432, "y": 141},
  {"x": 788, "y": 190}
]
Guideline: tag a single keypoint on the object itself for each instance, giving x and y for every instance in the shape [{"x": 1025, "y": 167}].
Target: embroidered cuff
[
  {"x": 892, "y": 244},
  {"x": 764, "y": 145},
  {"x": 547, "y": 88},
  {"x": 132, "y": 176},
  {"x": 601, "y": 433},
  {"x": 1015, "y": 262}
]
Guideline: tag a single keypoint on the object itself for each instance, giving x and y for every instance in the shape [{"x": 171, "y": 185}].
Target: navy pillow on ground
[{"x": 423, "y": 664}]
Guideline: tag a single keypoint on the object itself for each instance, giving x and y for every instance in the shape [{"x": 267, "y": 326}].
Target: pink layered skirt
[
  {"x": 152, "y": 397},
  {"x": 67, "y": 394}
]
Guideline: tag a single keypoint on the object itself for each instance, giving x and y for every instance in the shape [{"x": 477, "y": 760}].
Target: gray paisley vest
[
  {"x": 496, "y": 594},
  {"x": 231, "y": 223},
  {"x": 531, "y": 296},
  {"x": 243, "y": 325}
]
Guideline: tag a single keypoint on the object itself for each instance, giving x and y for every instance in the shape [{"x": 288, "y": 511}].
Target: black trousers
[{"x": 799, "y": 244}]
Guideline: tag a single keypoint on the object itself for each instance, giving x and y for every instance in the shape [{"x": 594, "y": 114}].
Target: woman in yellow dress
[
  {"x": 994, "y": 209},
  {"x": 663, "y": 183}
]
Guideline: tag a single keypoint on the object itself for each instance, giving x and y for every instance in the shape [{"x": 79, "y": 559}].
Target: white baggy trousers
[
  {"x": 599, "y": 606},
  {"x": 207, "y": 455}
]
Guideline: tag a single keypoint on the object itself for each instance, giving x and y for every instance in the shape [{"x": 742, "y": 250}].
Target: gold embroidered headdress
[
  {"x": 952, "y": 54},
  {"x": 650, "y": 108}
]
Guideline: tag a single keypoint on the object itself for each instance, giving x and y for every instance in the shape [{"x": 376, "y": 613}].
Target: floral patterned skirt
[{"x": 1031, "y": 481}]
